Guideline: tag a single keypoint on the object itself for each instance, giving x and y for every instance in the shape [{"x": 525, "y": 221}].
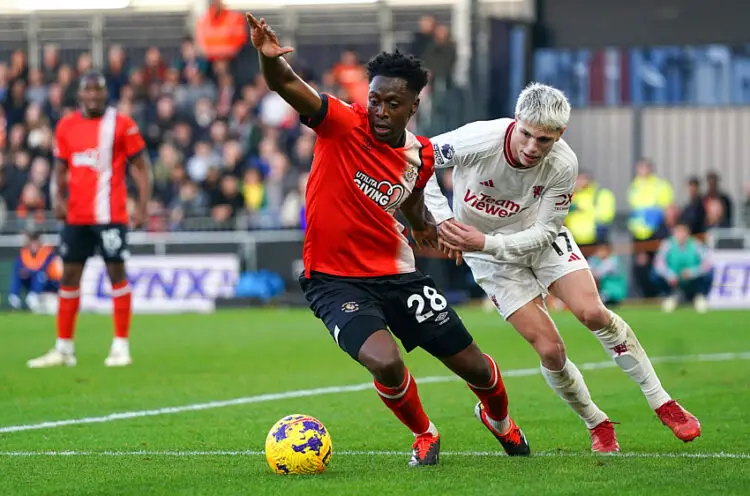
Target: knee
[
  {"x": 386, "y": 367},
  {"x": 116, "y": 273},
  {"x": 551, "y": 353},
  {"x": 594, "y": 316},
  {"x": 71, "y": 276}
]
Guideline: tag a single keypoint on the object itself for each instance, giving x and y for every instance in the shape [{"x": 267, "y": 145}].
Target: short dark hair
[
  {"x": 694, "y": 181},
  {"x": 94, "y": 75},
  {"x": 398, "y": 65}
]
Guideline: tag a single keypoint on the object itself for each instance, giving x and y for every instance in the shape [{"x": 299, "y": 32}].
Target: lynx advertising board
[
  {"x": 165, "y": 284},
  {"x": 731, "y": 284}
]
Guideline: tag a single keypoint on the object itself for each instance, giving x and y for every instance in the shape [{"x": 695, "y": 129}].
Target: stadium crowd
[
  {"x": 225, "y": 155},
  {"x": 230, "y": 154}
]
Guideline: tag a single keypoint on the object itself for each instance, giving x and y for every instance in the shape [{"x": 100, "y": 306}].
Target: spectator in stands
[
  {"x": 189, "y": 57},
  {"x": 227, "y": 201},
  {"x": 32, "y": 204},
  {"x": 19, "y": 68},
  {"x": 253, "y": 190},
  {"x": 84, "y": 64},
  {"x": 221, "y": 33},
  {"x": 682, "y": 268},
  {"x": 715, "y": 214},
  {"x": 50, "y": 62},
  {"x": 746, "y": 206},
  {"x": 16, "y": 103},
  {"x": 293, "y": 208},
  {"x": 37, "y": 91},
  {"x": 4, "y": 82},
  {"x": 694, "y": 213},
  {"x": 424, "y": 37},
  {"x": 166, "y": 161},
  {"x": 155, "y": 69},
  {"x": 54, "y": 108},
  {"x": 197, "y": 87},
  {"x": 440, "y": 57},
  {"x": 39, "y": 176},
  {"x": 203, "y": 159},
  {"x": 191, "y": 202},
  {"x": 648, "y": 196},
  {"x": 116, "y": 72},
  {"x": 610, "y": 274},
  {"x": 3, "y": 206},
  {"x": 592, "y": 211},
  {"x": 302, "y": 154},
  {"x": 65, "y": 78},
  {"x": 231, "y": 158},
  {"x": 16, "y": 176},
  {"x": 350, "y": 75},
  {"x": 160, "y": 126},
  {"x": 714, "y": 193}
]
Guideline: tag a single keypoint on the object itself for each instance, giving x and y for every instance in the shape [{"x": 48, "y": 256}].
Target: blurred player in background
[
  {"x": 37, "y": 270},
  {"x": 683, "y": 268},
  {"x": 513, "y": 183},
  {"x": 360, "y": 278},
  {"x": 93, "y": 148},
  {"x": 610, "y": 274}
]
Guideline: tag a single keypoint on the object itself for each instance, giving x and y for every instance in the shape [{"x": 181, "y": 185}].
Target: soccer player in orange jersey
[
  {"x": 93, "y": 148},
  {"x": 360, "y": 278}
]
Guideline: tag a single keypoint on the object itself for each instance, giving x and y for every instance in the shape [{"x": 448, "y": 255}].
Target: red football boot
[
  {"x": 684, "y": 425},
  {"x": 603, "y": 438}
]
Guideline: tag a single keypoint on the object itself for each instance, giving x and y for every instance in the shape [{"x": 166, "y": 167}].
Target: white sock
[
  {"x": 620, "y": 342},
  {"x": 65, "y": 346},
  {"x": 568, "y": 383},
  {"x": 120, "y": 346},
  {"x": 430, "y": 430},
  {"x": 501, "y": 426}
]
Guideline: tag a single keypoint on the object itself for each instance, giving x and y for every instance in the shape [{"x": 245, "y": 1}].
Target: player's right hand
[
  {"x": 61, "y": 209},
  {"x": 264, "y": 39},
  {"x": 451, "y": 253}
]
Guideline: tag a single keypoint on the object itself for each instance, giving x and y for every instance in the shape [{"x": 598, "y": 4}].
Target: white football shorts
[{"x": 510, "y": 286}]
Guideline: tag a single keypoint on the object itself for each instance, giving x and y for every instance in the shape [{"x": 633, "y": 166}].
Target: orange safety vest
[
  {"x": 220, "y": 35},
  {"x": 35, "y": 261}
]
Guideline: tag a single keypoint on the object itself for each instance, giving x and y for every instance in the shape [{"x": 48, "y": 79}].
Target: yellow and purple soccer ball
[{"x": 298, "y": 444}]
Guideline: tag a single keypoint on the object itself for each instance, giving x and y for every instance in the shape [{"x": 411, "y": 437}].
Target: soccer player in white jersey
[{"x": 513, "y": 181}]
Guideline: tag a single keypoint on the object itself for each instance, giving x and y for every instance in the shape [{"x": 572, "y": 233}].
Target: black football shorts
[
  {"x": 78, "y": 243},
  {"x": 409, "y": 305}
]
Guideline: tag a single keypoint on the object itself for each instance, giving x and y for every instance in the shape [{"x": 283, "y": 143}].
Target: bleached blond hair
[{"x": 543, "y": 106}]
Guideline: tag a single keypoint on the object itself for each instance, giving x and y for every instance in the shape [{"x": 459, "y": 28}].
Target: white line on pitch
[
  {"x": 262, "y": 398},
  {"x": 549, "y": 454}
]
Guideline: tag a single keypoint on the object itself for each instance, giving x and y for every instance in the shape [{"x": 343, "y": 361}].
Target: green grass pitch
[{"x": 217, "y": 448}]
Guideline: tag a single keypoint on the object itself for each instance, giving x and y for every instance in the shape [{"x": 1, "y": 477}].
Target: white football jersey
[{"x": 521, "y": 211}]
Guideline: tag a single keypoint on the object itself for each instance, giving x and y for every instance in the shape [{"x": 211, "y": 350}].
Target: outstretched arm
[{"x": 278, "y": 73}]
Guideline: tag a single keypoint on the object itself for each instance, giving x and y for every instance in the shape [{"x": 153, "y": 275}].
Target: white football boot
[
  {"x": 669, "y": 305},
  {"x": 700, "y": 303},
  {"x": 119, "y": 354},
  {"x": 118, "y": 360},
  {"x": 53, "y": 358}
]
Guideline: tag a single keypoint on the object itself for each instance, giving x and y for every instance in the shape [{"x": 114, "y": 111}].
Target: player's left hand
[
  {"x": 264, "y": 39},
  {"x": 457, "y": 236},
  {"x": 139, "y": 217}
]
